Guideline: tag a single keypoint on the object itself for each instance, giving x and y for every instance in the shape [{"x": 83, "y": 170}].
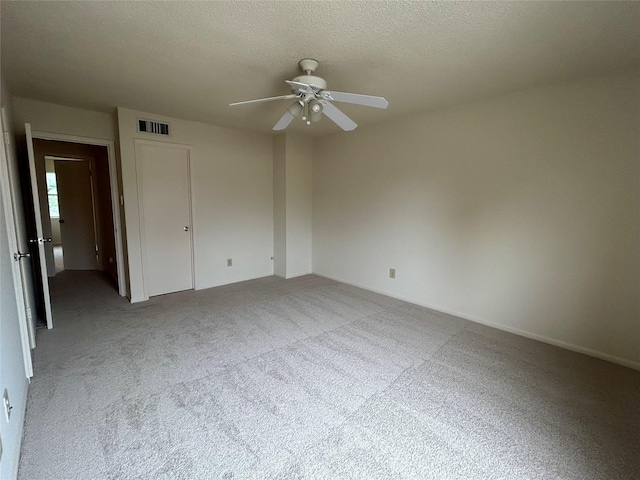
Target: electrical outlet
[
  {"x": 229, "y": 262},
  {"x": 7, "y": 404},
  {"x": 392, "y": 273}
]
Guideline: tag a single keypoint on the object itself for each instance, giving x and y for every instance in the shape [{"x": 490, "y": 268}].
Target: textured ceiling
[{"x": 191, "y": 59}]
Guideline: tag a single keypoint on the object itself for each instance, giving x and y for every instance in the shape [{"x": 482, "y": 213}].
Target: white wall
[
  {"x": 292, "y": 204},
  {"x": 232, "y": 192},
  {"x": 520, "y": 211},
  {"x": 53, "y": 118},
  {"x": 12, "y": 365},
  {"x": 280, "y": 205},
  {"x": 299, "y": 197}
]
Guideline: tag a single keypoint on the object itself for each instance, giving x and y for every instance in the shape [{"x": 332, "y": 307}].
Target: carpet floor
[{"x": 311, "y": 378}]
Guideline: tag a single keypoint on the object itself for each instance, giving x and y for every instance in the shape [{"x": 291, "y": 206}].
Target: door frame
[
  {"x": 137, "y": 144},
  {"x": 116, "y": 198}
]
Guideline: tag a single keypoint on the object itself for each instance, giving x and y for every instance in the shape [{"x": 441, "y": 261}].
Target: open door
[
  {"x": 9, "y": 167},
  {"x": 13, "y": 297},
  {"x": 39, "y": 240}
]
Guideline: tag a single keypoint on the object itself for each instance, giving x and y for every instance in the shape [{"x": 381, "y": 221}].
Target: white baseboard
[
  {"x": 523, "y": 333},
  {"x": 294, "y": 275}
]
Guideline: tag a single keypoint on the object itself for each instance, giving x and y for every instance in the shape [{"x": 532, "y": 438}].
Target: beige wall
[
  {"x": 232, "y": 199},
  {"x": 280, "y": 205},
  {"x": 292, "y": 199},
  {"x": 52, "y": 118},
  {"x": 299, "y": 171},
  {"x": 521, "y": 211}
]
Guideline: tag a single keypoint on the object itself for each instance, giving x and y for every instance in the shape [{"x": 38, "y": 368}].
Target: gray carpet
[{"x": 310, "y": 378}]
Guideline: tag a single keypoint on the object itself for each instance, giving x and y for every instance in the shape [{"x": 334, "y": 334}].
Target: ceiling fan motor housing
[
  {"x": 311, "y": 80},
  {"x": 308, "y": 65}
]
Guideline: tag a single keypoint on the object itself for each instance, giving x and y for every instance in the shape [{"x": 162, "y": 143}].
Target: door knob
[
  {"x": 61, "y": 220},
  {"x": 186, "y": 229},
  {"x": 17, "y": 256}
]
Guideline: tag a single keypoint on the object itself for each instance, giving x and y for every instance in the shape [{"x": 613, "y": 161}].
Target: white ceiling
[{"x": 191, "y": 59}]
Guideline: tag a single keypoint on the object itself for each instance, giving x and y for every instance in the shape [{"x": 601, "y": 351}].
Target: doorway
[
  {"x": 76, "y": 207},
  {"x": 81, "y": 231},
  {"x": 82, "y": 186}
]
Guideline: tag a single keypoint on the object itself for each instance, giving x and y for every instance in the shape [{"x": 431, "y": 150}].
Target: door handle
[
  {"x": 19, "y": 255},
  {"x": 185, "y": 228},
  {"x": 61, "y": 220}
]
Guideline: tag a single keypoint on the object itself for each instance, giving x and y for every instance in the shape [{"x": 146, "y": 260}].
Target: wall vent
[{"x": 150, "y": 126}]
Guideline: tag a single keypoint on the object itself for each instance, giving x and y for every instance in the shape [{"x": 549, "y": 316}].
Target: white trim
[
  {"x": 523, "y": 333},
  {"x": 115, "y": 194},
  {"x": 64, "y": 159},
  {"x": 10, "y": 225},
  {"x": 295, "y": 275}
]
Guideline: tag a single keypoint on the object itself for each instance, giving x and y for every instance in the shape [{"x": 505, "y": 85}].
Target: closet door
[{"x": 164, "y": 196}]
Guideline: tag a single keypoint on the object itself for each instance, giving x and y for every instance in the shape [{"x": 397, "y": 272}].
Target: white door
[
  {"x": 10, "y": 169},
  {"x": 165, "y": 217},
  {"x": 77, "y": 216},
  {"x": 11, "y": 293},
  {"x": 39, "y": 240}
]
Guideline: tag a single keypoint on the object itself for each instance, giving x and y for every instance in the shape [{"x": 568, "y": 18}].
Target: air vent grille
[{"x": 150, "y": 126}]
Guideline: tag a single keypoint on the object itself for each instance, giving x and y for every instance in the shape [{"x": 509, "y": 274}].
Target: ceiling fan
[{"x": 313, "y": 100}]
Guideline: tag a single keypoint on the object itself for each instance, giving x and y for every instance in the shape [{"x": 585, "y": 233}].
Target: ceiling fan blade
[
  {"x": 366, "y": 100},
  {"x": 284, "y": 121},
  {"x": 262, "y": 100},
  {"x": 338, "y": 117}
]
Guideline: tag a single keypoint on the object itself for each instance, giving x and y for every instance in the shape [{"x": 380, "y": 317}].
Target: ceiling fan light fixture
[
  {"x": 315, "y": 106},
  {"x": 315, "y": 110},
  {"x": 296, "y": 108}
]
